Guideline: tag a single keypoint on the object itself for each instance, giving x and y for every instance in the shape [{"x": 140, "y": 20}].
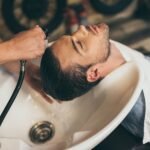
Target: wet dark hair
[{"x": 63, "y": 84}]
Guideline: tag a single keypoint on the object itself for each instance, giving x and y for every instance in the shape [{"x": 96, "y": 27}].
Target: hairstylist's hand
[{"x": 28, "y": 44}]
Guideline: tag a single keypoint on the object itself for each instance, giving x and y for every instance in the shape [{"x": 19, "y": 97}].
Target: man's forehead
[
  {"x": 59, "y": 42},
  {"x": 60, "y": 51}
]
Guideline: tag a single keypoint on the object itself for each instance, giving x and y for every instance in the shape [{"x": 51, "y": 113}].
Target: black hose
[
  {"x": 18, "y": 86},
  {"x": 15, "y": 92}
]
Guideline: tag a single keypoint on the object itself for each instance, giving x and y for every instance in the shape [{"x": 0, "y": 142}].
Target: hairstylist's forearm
[
  {"x": 25, "y": 45},
  {"x": 6, "y": 53}
]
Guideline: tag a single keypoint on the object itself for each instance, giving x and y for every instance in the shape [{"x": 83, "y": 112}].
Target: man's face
[{"x": 88, "y": 45}]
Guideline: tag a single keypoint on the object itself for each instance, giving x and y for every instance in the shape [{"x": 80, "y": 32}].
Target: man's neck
[{"x": 114, "y": 60}]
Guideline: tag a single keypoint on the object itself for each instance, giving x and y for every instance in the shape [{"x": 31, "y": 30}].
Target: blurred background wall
[{"x": 128, "y": 19}]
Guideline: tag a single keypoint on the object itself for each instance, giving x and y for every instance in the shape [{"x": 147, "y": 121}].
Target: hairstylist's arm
[{"x": 25, "y": 45}]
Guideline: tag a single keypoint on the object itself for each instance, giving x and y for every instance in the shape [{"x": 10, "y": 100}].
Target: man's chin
[{"x": 103, "y": 26}]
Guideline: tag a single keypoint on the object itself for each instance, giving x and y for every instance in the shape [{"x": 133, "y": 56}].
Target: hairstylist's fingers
[
  {"x": 46, "y": 44},
  {"x": 41, "y": 32},
  {"x": 41, "y": 43},
  {"x": 43, "y": 46},
  {"x": 40, "y": 47}
]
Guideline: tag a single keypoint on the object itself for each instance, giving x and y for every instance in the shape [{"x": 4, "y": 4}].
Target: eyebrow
[{"x": 75, "y": 47}]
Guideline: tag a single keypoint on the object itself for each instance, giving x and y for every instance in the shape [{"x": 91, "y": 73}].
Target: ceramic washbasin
[{"x": 79, "y": 124}]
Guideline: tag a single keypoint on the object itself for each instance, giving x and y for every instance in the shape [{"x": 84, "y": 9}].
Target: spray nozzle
[
  {"x": 46, "y": 35},
  {"x": 46, "y": 40},
  {"x": 46, "y": 32}
]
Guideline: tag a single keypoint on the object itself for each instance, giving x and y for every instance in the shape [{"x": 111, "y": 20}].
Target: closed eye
[
  {"x": 80, "y": 44},
  {"x": 75, "y": 47}
]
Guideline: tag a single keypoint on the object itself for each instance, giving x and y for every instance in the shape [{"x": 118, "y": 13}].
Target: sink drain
[{"x": 41, "y": 132}]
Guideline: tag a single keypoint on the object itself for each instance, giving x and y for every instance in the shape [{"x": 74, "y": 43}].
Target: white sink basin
[{"x": 80, "y": 124}]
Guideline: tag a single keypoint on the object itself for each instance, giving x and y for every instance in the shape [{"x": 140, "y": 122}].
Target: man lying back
[{"x": 76, "y": 63}]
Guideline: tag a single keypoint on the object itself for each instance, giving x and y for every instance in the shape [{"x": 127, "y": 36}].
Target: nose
[
  {"x": 81, "y": 32},
  {"x": 83, "y": 29}
]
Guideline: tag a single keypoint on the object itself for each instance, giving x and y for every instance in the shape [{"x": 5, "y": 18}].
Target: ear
[{"x": 94, "y": 73}]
